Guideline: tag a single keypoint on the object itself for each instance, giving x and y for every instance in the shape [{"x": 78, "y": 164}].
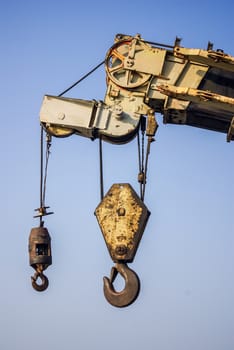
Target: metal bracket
[{"x": 230, "y": 134}]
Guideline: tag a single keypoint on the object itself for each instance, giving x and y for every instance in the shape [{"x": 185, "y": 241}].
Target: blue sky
[{"x": 185, "y": 260}]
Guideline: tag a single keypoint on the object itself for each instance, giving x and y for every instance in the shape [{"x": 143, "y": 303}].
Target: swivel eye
[{"x": 132, "y": 286}]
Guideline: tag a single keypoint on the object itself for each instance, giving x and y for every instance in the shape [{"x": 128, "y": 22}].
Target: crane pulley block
[{"x": 122, "y": 217}]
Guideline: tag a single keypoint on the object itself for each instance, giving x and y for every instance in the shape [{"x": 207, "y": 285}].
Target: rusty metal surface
[
  {"x": 131, "y": 290},
  {"x": 135, "y": 69},
  {"x": 44, "y": 282},
  {"x": 40, "y": 247},
  {"x": 122, "y": 217},
  {"x": 230, "y": 134},
  {"x": 39, "y": 256}
]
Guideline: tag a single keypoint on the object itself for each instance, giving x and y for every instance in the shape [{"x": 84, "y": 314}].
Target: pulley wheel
[
  {"x": 58, "y": 131},
  {"x": 116, "y": 66}
]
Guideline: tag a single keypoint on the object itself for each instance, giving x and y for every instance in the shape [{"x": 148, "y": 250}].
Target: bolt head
[{"x": 121, "y": 249}]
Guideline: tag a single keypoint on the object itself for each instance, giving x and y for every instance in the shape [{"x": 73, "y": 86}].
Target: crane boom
[{"x": 186, "y": 86}]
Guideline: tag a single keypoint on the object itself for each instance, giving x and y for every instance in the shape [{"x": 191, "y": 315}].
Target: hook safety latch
[{"x": 132, "y": 286}]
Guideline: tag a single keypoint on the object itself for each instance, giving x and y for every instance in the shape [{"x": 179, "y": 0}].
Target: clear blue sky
[{"x": 186, "y": 258}]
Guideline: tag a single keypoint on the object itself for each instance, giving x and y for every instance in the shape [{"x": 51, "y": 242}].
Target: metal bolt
[
  {"x": 121, "y": 211},
  {"x": 118, "y": 109},
  {"x": 121, "y": 249},
  {"x": 130, "y": 62},
  {"x": 61, "y": 116}
]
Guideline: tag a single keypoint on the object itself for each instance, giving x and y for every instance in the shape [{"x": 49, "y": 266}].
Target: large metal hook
[
  {"x": 132, "y": 286},
  {"x": 44, "y": 282}
]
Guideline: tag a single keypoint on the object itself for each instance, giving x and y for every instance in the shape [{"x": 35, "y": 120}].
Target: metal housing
[{"x": 122, "y": 218}]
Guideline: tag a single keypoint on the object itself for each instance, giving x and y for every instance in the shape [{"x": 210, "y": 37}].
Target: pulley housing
[
  {"x": 122, "y": 217},
  {"x": 40, "y": 248}
]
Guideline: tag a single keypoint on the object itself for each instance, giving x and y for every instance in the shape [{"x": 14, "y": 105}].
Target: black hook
[
  {"x": 44, "y": 282},
  {"x": 132, "y": 286}
]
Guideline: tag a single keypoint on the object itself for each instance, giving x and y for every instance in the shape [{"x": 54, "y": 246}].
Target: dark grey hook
[
  {"x": 132, "y": 286},
  {"x": 44, "y": 282}
]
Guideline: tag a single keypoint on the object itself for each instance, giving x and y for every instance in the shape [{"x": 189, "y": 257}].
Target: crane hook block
[
  {"x": 122, "y": 217},
  {"x": 39, "y": 255}
]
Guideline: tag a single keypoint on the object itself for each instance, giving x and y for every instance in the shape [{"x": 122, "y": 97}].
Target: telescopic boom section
[{"x": 193, "y": 87}]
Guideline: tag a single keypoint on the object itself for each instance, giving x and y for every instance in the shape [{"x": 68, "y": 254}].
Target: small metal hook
[
  {"x": 132, "y": 286},
  {"x": 44, "y": 282}
]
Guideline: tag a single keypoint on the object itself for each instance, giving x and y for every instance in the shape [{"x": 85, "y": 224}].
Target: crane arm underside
[{"x": 212, "y": 111}]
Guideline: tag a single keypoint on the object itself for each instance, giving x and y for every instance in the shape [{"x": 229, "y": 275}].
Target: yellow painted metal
[
  {"x": 211, "y": 58},
  {"x": 198, "y": 93},
  {"x": 58, "y": 131},
  {"x": 200, "y": 96},
  {"x": 122, "y": 217}
]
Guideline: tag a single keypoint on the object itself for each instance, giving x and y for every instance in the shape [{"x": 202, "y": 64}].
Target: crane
[
  {"x": 186, "y": 86},
  {"x": 192, "y": 87}
]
